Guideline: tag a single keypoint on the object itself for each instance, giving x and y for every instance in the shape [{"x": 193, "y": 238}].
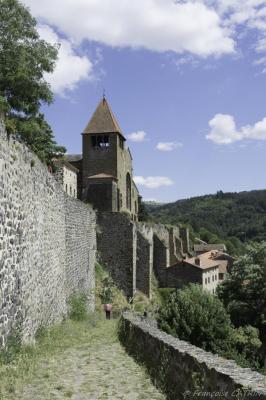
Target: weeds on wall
[
  {"x": 12, "y": 347},
  {"x": 78, "y": 307},
  {"x": 119, "y": 301}
]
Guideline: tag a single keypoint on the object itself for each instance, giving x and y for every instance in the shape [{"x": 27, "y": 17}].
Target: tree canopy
[
  {"x": 197, "y": 316},
  {"x": 194, "y": 315},
  {"x": 233, "y": 218},
  {"x": 243, "y": 292},
  {"x": 24, "y": 59}
]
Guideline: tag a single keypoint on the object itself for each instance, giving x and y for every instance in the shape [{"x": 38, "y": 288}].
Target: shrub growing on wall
[{"x": 78, "y": 307}]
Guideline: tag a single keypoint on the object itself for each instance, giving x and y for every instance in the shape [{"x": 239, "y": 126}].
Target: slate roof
[
  {"x": 209, "y": 247},
  {"x": 66, "y": 164},
  {"x": 73, "y": 157},
  {"x": 210, "y": 259},
  {"x": 103, "y": 120},
  {"x": 206, "y": 261}
]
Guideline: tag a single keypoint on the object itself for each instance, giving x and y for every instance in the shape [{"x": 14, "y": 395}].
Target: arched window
[{"x": 128, "y": 191}]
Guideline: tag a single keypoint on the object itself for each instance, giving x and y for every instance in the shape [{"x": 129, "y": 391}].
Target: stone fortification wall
[
  {"x": 179, "y": 275},
  {"x": 183, "y": 371},
  {"x": 144, "y": 258},
  {"x": 47, "y": 245},
  {"x": 161, "y": 253},
  {"x": 117, "y": 249},
  {"x": 80, "y": 234}
]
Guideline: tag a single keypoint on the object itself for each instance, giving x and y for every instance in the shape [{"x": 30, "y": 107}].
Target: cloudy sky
[{"x": 186, "y": 80}]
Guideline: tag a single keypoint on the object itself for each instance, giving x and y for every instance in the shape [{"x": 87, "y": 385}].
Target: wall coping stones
[{"x": 213, "y": 364}]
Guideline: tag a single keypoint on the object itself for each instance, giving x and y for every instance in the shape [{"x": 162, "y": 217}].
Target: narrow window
[
  {"x": 66, "y": 188},
  {"x": 208, "y": 279},
  {"x": 99, "y": 141},
  {"x": 70, "y": 189},
  {"x": 93, "y": 141},
  {"x": 128, "y": 191},
  {"x": 106, "y": 141}
]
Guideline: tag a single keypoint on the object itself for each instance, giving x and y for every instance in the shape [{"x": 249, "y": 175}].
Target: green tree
[
  {"x": 24, "y": 59},
  {"x": 246, "y": 343},
  {"x": 194, "y": 315},
  {"x": 244, "y": 290},
  {"x": 143, "y": 212}
]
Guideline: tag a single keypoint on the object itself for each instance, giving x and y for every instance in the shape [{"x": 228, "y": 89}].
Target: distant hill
[{"x": 238, "y": 215}]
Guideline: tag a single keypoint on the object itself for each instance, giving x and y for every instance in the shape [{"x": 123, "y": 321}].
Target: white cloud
[
  {"x": 70, "y": 67},
  {"x": 242, "y": 17},
  {"x": 138, "y": 136},
  {"x": 168, "y": 146},
  {"x": 158, "y": 25},
  {"x": 224, "y": 130},
  {"x": 153, "y": 182}
]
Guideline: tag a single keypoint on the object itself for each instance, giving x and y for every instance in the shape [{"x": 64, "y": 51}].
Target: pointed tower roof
[{"x": 103, "y": 120}]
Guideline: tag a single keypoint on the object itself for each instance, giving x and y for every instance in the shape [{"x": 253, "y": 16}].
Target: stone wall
[
  {"x": 117, "y": 247},
  {"x": 161, "y": 253},
  {"x": 47, "y": 244},
  {"x": 183, "y": 371},
  {"x": 184, "y": 235},
  {"x": 81, "y": 248},
  {"x": 144, "y": 259},
  {"x": 102, "y": 193},
  {"x": 180, "y": 275}
]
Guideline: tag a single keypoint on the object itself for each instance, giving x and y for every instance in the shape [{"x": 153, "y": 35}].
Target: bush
[
  {"x": 119, "y": 301},
  {"x": 194, "y": 315},
  {"x": 107, "y": 293},
  {"x": 246, "y": 346},
  {"x": 78, "y": 307},
  {"x": 12, "y": 348}
]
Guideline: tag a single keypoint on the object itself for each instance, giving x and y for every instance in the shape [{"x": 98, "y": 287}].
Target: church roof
[
  {"x": 73, "y": 157},
  {"x": 103, "y": 120}
]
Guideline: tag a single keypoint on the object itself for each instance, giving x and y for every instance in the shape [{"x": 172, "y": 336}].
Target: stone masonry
[
  {"x": 144, "y": 258},
  {"x": 183, "y": 371},
  {"x": 117, "y": 244},
  {"x": 47, "y": 243}
]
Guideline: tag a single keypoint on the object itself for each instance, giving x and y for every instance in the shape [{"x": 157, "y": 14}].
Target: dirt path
[{"x": 95, "y": 367}]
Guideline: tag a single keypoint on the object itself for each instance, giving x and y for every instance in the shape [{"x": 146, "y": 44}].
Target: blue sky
[{"x": 185, "y": 79}]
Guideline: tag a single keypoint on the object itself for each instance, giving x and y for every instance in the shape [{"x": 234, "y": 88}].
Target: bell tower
[{"x": 102, "y": 141}]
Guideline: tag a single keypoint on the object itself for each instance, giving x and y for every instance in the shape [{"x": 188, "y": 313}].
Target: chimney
[{"x": 198, "y": 261}]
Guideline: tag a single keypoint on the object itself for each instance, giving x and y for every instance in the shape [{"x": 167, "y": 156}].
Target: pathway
[{"x": 94, "y": 367}]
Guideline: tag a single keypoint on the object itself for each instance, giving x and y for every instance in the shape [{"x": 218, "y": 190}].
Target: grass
[
  {"x": 80, "y": 355},
  {"x": 19, "y": 365},
  {"x": 75, "y": 359}
]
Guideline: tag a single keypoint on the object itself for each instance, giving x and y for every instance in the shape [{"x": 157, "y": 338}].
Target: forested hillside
[{"x": 235, "y": 216}]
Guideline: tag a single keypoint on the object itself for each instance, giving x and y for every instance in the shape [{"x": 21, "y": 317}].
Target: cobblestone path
[{"x": 96, "y": 367}]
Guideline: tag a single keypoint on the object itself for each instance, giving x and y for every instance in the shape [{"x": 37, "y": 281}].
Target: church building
[{"x": 105, "y": 173}]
